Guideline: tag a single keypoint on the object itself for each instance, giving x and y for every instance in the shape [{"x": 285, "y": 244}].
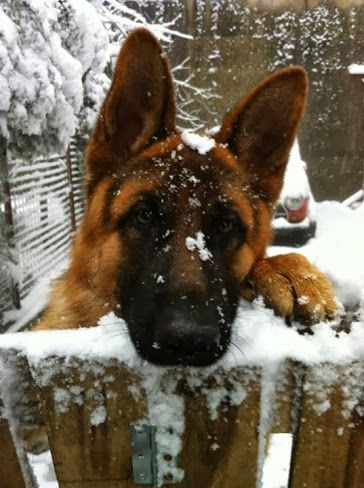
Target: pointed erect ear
[
  {"x": 261, "y": 128},
  {"x": 139, "y": 105}
]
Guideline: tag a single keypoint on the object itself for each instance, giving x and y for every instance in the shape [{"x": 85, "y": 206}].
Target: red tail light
[{"x": 297, "y": 214}]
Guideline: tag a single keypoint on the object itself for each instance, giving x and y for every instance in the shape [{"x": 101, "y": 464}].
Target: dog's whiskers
[{"x": 238, "y": 348}]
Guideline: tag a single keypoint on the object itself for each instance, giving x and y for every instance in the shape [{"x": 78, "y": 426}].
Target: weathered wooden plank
[
  {"x": 11, "y": 475},
  {"x": 282, "y": 404},
  {"x": 88, "y": 412},
  {"x": 354, "y": 476},
  {"x": 88, "y": 417},
  {"x": 284, "y": 395},
  {"x": 222, "y": 452},
  {"x": 322, "y": 445},
  {"x": 99, "y": 484},
  {"x": 18, "y": 407}
]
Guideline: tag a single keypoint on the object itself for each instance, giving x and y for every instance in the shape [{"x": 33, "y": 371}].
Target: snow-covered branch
[{"x": 52, "y": 58}]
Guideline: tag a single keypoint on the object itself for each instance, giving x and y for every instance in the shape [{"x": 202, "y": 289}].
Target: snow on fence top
[
  {"x": 86, "y": 392},
  {"x": 259, "y": 338}
]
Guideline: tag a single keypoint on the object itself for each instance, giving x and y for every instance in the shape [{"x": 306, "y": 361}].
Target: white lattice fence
[{"x": 42, "y": 206}]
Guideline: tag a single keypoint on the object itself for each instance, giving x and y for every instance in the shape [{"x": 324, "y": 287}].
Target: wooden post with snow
[
  {"x": 15, "y": 381},
  {"x": 329, "y": 444},
  {"x": 89, "y": 430},
  {"x": 212, "y": 426},
  {"x": 89, "y": 413}
]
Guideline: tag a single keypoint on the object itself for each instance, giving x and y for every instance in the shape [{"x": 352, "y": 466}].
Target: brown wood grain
[
  {"x": 323, "y": 444},
  {"x": 234, "y": 432},
  {"x": 284, "y": 399},
  {"x": 82, "y": 451},
  {"x": 216, "y": 453},
  {"x": 99, "y": 484},
  {"x": 10, "y": 471},
  {"x": 354, "y": 477}
]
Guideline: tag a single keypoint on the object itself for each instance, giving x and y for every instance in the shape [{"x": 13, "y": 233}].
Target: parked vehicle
[{"x": 295, "y": 222}]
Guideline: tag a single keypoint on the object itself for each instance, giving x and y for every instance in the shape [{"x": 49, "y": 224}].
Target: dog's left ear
[{"x": 260, "y": 129}]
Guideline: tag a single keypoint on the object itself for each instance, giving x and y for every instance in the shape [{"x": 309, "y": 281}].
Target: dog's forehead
[
  {"x": 174, "y": 163},
  {"x": 182, "y": 178}
]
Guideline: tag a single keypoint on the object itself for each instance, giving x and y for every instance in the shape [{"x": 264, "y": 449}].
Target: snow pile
[
  {"x": 50, "y": 52},
  {"x": 337, "y": 249},
  {"x": 201, "y": 144},
  {"x": 43, "y": 468},
  {"x": 83, "y": 343},
  {"x": 264, "y": 339},
  {"x": 198, "y": 243},
  {"x": 277, "y": 462},
  {"x": 261, "y": 338}
]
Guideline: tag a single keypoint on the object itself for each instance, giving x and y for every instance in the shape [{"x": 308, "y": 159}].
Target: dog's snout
[{"x": 186, "y": 338}]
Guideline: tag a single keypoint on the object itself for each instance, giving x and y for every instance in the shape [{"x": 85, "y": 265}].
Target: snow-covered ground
[
  {"x": 337, "y": 248},
  {"x": 43, "y": 469},
  {"x": 262, "y": 337}
]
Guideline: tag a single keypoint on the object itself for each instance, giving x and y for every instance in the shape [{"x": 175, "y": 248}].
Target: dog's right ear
[{"x": 138, "y": 108}]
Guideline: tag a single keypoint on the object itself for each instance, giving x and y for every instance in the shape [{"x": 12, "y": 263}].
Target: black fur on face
[{"x": 177, "y": 292}]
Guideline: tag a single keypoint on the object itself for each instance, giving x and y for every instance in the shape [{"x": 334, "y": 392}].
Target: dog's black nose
[{"x": 187, "y": 339}]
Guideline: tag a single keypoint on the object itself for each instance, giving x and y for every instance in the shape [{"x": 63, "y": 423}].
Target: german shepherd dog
[{"x": 174, "y": 236}]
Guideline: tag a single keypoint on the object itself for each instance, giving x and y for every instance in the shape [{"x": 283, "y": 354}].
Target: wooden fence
[
  {"x": 89, "y": 409},
  {"x": 42, "y": 202}
]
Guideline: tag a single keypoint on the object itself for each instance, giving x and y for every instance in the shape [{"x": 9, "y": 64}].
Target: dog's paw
[{"x": 292, "y": 287}]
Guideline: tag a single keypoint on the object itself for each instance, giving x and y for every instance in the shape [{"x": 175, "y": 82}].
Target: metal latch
[{"x": 144, "y": 454}]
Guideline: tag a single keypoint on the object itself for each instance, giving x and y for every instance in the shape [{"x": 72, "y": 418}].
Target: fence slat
[
  {"x": 322, "y": 444},
  {"x": 223, "y": 452},
  {"x": 99, "y": 484},
  {"x": 355, "y": 468},
  {"x": 19, "y": 396},
  {"x": 284, "y": 399},
  {"x": 10, "y": 470},
  {"x": 88, "y": 422}
]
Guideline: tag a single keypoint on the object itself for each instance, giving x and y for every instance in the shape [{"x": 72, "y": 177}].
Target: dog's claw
[{"x": 292, "y": 287}]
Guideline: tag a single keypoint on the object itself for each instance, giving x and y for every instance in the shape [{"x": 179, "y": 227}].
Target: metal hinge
[{"x": 144, "y": 451}]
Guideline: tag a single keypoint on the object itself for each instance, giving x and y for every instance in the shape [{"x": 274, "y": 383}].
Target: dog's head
[{"x": 174, "y": 225}]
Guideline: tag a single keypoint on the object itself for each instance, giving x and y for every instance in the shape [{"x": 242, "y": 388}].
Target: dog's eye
[
  {"x": 144, "y": 215},
  {"x": 225, "y": 225}
]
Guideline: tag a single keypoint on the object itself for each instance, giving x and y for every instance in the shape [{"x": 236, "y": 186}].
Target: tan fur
[
  {"x": 293, "y": 287},
  {"x": 136, "y": 126}
]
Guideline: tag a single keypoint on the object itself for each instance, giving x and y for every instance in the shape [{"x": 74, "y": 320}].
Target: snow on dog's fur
[{"x": 175, "y": 232}]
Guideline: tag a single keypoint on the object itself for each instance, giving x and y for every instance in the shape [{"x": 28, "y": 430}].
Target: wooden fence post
[
  {"x": 90, "y": 405},
  {"x": 17, "y": 400},
  {"x": 9, "y": 221},
  {"x": 222, "y": 452},
  {"x": 10, "y": 469},
  {"x": 88, "y": 413},
  {"x": 323, "y": 450}
]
